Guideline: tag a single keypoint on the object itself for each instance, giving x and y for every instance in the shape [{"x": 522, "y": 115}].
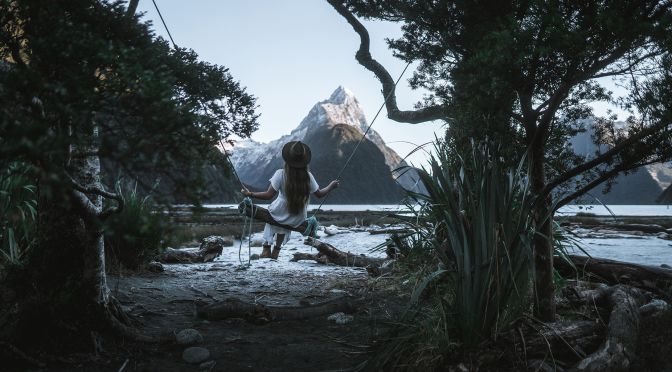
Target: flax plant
[
  {"x": 18, "y": 212},
  {"x": 480, "y": 214}
]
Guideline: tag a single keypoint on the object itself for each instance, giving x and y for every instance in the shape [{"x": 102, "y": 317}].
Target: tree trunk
[
  {"x": 65, "y": 286},
  {"x": 544, "y": 304}
]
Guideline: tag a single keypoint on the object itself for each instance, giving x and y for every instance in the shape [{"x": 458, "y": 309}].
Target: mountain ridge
[{"x": 340, "y": 114}]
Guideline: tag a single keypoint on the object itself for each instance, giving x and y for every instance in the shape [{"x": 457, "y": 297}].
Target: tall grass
[
  {"x": 18, "y": 212},
  {"x": 134, "y": 236}
]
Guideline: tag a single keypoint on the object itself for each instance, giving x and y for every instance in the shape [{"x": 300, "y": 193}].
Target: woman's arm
[
  {"x": 323, "y": 192},
  {"x": 263, "y": 195}
]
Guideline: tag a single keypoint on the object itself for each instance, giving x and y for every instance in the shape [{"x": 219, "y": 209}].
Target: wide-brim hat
[{"x": 296, "y": 154}]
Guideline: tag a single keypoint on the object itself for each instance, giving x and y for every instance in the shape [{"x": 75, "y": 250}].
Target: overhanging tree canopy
[
  {"x": 83, "y": 81},
  {"x": 524, "y": 72}
]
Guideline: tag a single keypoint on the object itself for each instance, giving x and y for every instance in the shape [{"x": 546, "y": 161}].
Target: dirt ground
[{"x": 166, "y": 302}]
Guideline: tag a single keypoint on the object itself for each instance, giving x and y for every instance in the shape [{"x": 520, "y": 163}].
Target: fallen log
[
  {"x": 318, "y": 257},
  {"x": 262, "y": 214},
  {"x": 613, "y": 272},
  {"x": 259, "y": 314},
  {"x": 211, "y": 248},
  {"x": 618, "y": 350},
  {"x": 341, "y": 258},
  {"x": 389, "y": 231}
]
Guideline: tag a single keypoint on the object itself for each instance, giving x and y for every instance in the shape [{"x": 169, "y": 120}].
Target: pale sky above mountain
[{"x": 292, "y": 54}]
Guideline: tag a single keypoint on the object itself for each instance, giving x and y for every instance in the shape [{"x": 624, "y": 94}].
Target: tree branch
[
  {"x": 602, "y": 158},
  {"x": 79, "y": 193},
  {"x": 132, "y": 6},
  {"x": 602, "y": 178},
  {"x": 363, "y": 56}
]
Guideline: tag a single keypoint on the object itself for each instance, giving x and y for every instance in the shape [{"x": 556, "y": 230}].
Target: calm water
[
  {"x": 645, "y": 250},
  {"x": 599, "y": 210}
]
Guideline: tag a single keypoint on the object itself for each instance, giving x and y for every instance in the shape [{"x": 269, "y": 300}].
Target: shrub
[
  {"x": 135, "y": 235},
  {"x": 18, "y": 212}
]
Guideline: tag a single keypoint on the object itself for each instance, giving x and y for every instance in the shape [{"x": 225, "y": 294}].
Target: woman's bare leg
[{"x": 279, "y": 238}]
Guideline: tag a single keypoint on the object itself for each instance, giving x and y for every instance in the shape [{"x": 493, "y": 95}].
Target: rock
[
  {"x": 254, "y": 256},
  {"x": 195, "y": 355},
  {"x": 653, "y": 307},
  {"x": 341, "y": 318},
  {"x": 256, "y": 241},
  {"x": 155, "y": 267},
  {"x": 208, "y": 366},
  {"x": 331, "y": 230},
  {"x": 664, "y": 236},
  {"x": 189, "y": 337}
]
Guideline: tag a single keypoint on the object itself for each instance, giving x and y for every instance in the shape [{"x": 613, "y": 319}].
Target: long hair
[{"x": 296, "y": 188}]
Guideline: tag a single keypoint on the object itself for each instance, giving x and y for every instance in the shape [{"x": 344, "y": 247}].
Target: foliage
[
  {"x": 72, "y": 69},
  {"x": 18, "y": 212},
  {"x": 476, "y": 216},
  {"x": 134, "y": 236},
  {"x": 525, "y": 72}
]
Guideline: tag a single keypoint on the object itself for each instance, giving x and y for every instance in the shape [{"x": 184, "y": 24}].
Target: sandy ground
[{"x": 166, "y": 302}]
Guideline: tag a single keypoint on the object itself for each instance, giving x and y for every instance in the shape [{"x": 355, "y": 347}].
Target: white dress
[{"x": 279, "y": 211}]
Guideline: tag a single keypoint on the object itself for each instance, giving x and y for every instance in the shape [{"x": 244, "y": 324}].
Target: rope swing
[{"x": 251, "y": 211}]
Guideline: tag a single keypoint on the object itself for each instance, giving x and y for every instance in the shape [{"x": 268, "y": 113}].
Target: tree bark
[
  {"x": 618, "y": 351},
  {"x": 544, "y": 289}
]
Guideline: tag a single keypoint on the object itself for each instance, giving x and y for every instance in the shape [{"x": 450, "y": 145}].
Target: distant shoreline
[{"x": 569, "y": 210}]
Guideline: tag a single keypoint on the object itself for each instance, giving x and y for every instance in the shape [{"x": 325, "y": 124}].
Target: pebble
[
  {"x": 341, "y": 318},
  {"x": 189, "y": 337},
  {"x": 195, "y": 355}
]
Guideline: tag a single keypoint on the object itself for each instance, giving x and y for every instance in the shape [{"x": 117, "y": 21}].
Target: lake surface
[
  {"x": 569, "y": 210},
  {"x": 648, "y": 250}
]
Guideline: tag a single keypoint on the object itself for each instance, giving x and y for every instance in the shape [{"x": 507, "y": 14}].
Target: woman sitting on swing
[{"x": 293, "y": 185}]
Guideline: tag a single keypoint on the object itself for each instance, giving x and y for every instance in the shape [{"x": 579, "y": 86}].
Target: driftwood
[
  {"x": 258, "y": 313},
  {"x": 211, "y": 248},
  {"x": 618, "y": 350},
  {"x": 262, "y": 214},
  {"x": 329, "y": 254},
  {"x": 617, "y": 272},
  {"x": 390, "y": 231}
]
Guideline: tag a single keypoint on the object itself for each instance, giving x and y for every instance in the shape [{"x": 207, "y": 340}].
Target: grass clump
[
  {"x": 136, "y": 234},
  {"x": 18, "y": 212}
]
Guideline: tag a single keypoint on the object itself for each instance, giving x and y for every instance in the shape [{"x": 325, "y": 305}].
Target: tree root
[
  {"x": 120, "y": 323},
  {"x": 618, "y": 350},
  {"x": 260, "y": 314}
]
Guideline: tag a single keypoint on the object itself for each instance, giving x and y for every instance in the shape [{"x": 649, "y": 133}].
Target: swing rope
[
  {"x": 313, "y": 224},
  {"x": 352, "y": 154}
]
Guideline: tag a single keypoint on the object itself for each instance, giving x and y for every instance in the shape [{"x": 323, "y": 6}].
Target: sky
[{"x": 290, "y": 55}]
